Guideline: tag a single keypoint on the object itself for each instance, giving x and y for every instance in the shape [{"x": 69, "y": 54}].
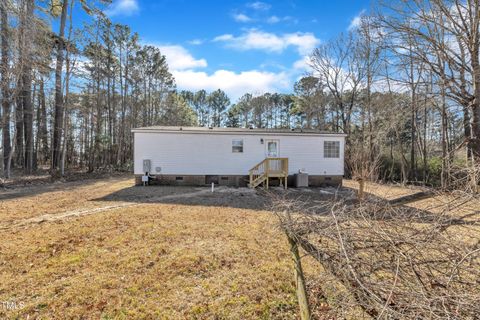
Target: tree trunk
[
  {"x": 424, "y": 143},
  {"x": 65, "y": 117},
  {"x": 475, "y": 105},
  {"x": 42, "y": 124},
  {"x": 445, "y": 157},
  {"x": 19, "y": 150},
  {"x": 58, "y": 120},
  {"x": 67, "y": 92},
  {"x": 467, "y": 129},
  {"x": 300, "y": 284},
  {"x": 10, "y": 156},
  {"x": 27, "y": 90},
  {"x": 5, "y": 89},
  {"x": 413, "y": 173},
  {"x": 34, "y": 112}
]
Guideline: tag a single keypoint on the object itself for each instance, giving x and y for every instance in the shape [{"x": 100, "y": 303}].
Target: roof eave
[{"x": 239, "y": 132}]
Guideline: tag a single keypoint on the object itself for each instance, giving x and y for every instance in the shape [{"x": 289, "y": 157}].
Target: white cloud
[
  {"x": 305, "y": 42},
  {"x": 276, "y": 19},
  {"x": 258, "y": 5},
  {"x": 123, "y": 7},
  {"x": 356, "y": 21},
  {"x": 233, "y": 83},
  {"x": 273, "y": 19},
  {"x": 224, "y": 37},
  {"x": 195, "y": 42},
  {"x": 178, "y": 58},
  {"x": 270, "y": 42},
  {"x": 240, "y": 17},
  {"x": 184, "y": 67},
  {"x": 303, "y": 64}
]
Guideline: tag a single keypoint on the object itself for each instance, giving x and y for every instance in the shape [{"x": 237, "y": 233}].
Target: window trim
[
  {"x": 238, "y": 146},
  {"x": 334, "y": 146}
]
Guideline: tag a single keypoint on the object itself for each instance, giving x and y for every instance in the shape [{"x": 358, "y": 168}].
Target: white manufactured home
[{"x": 237, "y": 157}]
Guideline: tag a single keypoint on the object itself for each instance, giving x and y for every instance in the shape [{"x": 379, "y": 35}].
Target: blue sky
[{"x": 237, "y": 46}]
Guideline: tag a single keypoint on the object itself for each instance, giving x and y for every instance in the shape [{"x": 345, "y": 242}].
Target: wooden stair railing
[{"x": 269, "y": 168}]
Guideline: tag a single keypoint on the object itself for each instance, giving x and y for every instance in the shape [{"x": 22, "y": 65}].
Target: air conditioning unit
[{"x": 301, "y": 180}]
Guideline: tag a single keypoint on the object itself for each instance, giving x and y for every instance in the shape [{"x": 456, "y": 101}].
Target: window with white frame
[
  {"x": 331, "y": 149},
  {"x": 237, "y": 145}
]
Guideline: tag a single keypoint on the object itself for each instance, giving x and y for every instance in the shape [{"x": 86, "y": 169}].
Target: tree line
[
  {"x": 71, "y": 96},
  {"x": 403, "y": 83},
  {"x": 405, "y": 87}
]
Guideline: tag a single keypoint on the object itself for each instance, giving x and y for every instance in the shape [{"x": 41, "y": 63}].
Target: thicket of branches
[
  {"x": 404, "y": 84},
  {"x": 396, "y": 262}
]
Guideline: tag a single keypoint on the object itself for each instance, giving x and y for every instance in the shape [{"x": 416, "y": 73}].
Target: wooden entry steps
[{"x": 269, "y": 168}]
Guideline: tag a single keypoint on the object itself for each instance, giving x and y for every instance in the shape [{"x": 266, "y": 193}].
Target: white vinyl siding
[{"x": 182, "y": 153}]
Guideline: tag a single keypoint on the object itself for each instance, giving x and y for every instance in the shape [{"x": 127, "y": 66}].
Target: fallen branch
[{"x": 398, "y": 262}]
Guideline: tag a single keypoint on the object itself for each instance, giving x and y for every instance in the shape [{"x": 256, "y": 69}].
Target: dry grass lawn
[
  {"x": 104, "y": 249},
  {"x": 456, "y": 205},
  {"x": 160, "y": 259}
]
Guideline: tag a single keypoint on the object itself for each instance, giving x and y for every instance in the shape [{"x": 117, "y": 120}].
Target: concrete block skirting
[
  {"x": 232, "y": 180},
  {"x": 319, "y": 181},
  {"x": 196, "y": 180},
  {"x": 325, "y": 181}
]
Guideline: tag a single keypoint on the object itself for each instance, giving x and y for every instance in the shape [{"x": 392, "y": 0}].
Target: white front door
[{"x": 272, "y": 148}]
